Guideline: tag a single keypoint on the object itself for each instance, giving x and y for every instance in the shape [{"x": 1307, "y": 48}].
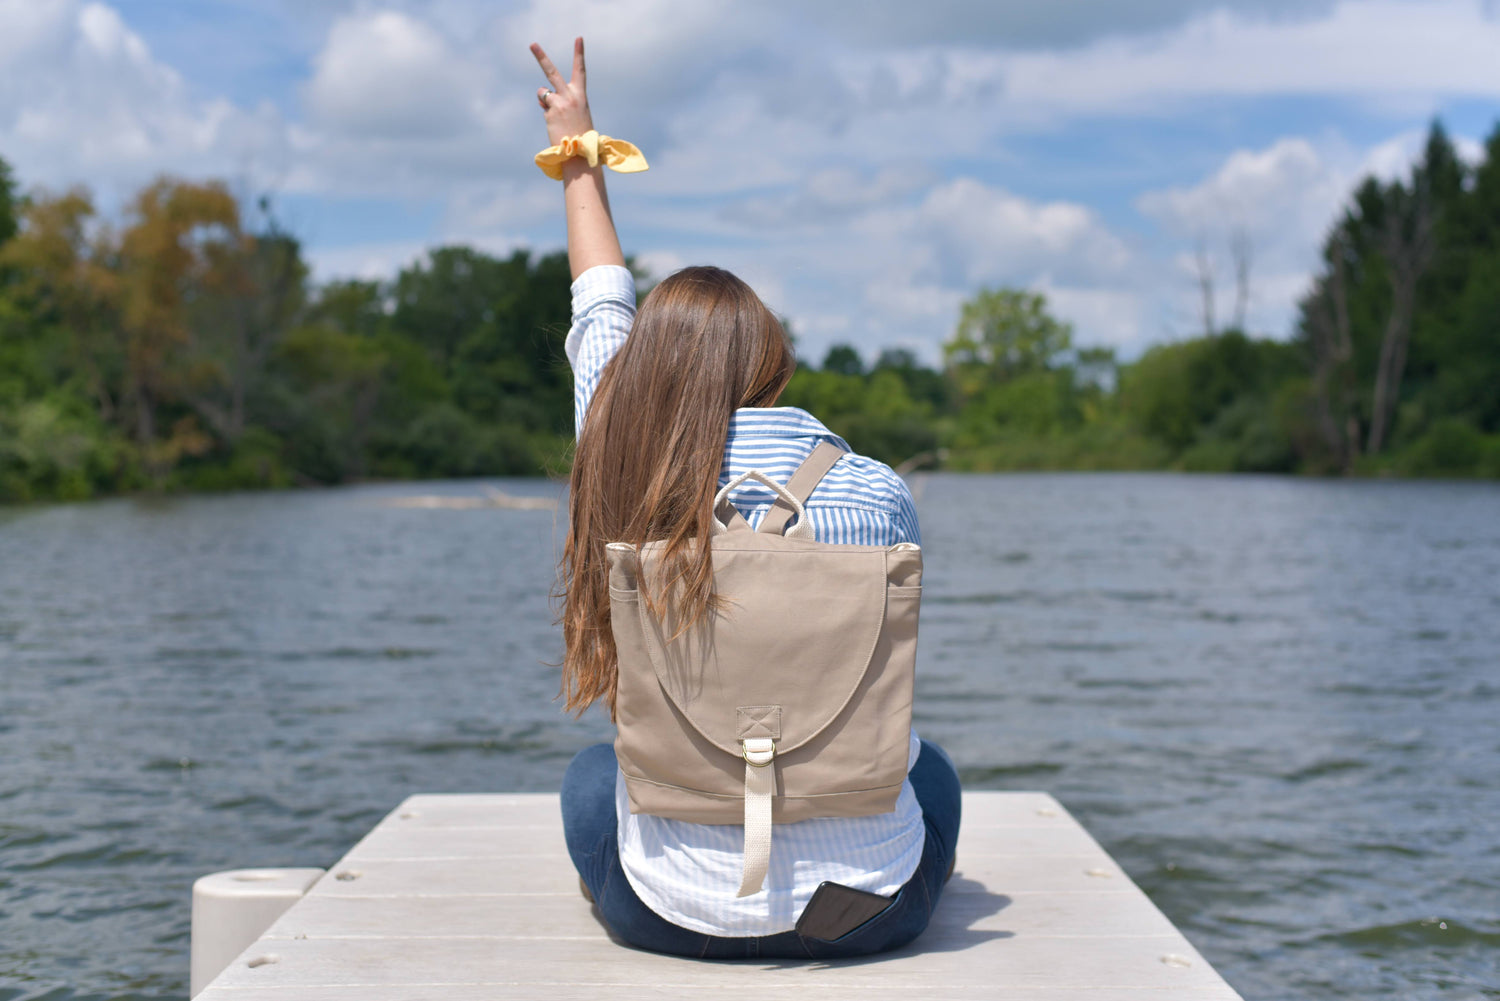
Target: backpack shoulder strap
[
  {"x": 807, "y": 476},
  {"x": 730, "y": 518}
]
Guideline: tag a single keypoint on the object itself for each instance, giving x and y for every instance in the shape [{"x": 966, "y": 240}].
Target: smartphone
[{"x": 835, "y": 910}]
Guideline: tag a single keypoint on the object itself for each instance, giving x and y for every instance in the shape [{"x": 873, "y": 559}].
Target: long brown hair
[{"x": 649, "y": 455}]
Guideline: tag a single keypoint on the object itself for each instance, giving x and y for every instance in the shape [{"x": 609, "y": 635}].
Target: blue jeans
[{"x": 589, "y": 824}]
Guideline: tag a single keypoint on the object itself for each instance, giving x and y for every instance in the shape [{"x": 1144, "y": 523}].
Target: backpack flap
[
  {"x": 810, "y": 639},
  {"x": 790, "y": 635}
]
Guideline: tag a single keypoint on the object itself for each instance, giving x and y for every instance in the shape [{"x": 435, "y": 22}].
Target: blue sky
[{"x": 865, "y": 165}]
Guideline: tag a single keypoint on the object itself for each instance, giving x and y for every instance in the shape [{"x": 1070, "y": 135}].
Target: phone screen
[{"x": 835, "y": 910}]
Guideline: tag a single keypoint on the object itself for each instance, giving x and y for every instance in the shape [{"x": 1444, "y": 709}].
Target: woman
[{"x": 672, "y": 402}]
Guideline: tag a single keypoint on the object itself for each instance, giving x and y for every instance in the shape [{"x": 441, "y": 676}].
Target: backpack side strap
[{"x": 801, "y": 485}]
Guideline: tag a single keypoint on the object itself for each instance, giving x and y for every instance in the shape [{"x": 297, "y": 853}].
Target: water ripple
[{"x": 1273, "y": 701}]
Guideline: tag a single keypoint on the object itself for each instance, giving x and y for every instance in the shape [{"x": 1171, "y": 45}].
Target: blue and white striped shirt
[{"x": 689, "y": 873}]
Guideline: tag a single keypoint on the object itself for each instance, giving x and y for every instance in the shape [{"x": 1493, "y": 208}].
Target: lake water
[{"x": 1274, "y": 701}]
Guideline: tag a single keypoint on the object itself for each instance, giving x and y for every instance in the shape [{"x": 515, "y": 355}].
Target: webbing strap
[
  {"x": 731, "y": 518},
  {"x": 760, "y": 785},
  {"x": 807, "y": 476}
]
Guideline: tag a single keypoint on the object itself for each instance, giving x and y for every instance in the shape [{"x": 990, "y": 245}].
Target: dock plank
[
  {"x": 545, "y": 962},
  {"x": 389, "y": 842},
  {"x": 966, "y": 904},
  {"x": 473, "y": 896},
  {"x": 636, "y": 991}
]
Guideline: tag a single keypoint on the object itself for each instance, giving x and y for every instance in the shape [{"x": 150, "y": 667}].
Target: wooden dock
[{"x": 473, "y": 897}]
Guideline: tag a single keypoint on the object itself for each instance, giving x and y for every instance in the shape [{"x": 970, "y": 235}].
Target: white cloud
[
  {"x": 828, "y": 196},
  {"x": 730, "y": 97},
  {"x": 1364, "y": 50},
  {"x": 396, "y": 107},
  {"x": 880, "y": 260},
  {"x": 1114, "y": 317},
  {"x": 86, "y": 100},
  {"x": 660, "y": 263},
  {"x": 847, "y": 167},
  {"x": 928, "y": 307},
  {"x": 980, "y": 234},
  {"x": 428, "y": 98},
  {"x": 390, "y": 76},
  {"x": 383, "y": 259},
  {"x": 369, "y": 261},
  {"x": 1253, "y": 186},
  {"x": 32, "y": 27},
  {"x": 503, "y": 206},
  {"x": 1059, "y": 23},
  {"x": 635, "y": 41},
  {"x": 1284, "y": 198},
  {"x": 1281, "y": 199}
]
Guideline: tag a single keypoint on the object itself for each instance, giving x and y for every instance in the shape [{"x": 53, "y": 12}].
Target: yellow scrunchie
[{"x": 617, "y": 154}]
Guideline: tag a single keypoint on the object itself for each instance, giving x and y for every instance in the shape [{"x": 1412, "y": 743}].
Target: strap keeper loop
[{"x": 758, "y": 751}]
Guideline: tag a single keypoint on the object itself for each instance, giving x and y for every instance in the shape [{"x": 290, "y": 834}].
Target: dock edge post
[{"x": 232, "y": 909}]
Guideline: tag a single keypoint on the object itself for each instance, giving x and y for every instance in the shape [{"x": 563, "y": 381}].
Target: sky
[{"x": 866, "y": 166}]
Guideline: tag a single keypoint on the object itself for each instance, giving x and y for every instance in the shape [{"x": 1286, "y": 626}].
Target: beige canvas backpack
[{"x": 791, "y": 702}]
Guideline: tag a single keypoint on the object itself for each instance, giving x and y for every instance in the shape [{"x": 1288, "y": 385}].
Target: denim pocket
[
  {"x": 868, "y": 938},
  {"x": 889, "y": 909}
]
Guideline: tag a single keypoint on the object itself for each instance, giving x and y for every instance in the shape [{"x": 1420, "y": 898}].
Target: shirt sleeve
[
  {"x": 603, "y": 310},
  {"x": 905, "y": 516}
]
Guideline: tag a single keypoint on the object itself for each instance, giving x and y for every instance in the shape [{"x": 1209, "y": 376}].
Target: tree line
[
  {"x": 1393, "y": 367},
  {"x": 184, "y": 346}
]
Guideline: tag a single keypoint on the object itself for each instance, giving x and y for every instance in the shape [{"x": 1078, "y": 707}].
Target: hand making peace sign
[{"x": 566, "y": 105}]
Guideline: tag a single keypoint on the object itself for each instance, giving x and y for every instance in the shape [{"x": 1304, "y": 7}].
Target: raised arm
[{"x": 591, "y": 229}]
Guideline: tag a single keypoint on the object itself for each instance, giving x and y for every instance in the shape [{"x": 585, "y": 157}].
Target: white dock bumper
[{"x": 231, "y": 910}]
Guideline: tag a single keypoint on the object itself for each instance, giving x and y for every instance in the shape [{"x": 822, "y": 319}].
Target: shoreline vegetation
[{"x": 184, "y": 348}]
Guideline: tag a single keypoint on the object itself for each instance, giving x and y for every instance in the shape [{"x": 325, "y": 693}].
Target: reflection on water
[{"x": 1272, "y": 700}]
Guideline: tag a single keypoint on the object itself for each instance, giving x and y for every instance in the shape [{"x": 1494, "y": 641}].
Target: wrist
[
  {"x": 592, "y": 149},
  {"x": 579, "y": 167}
]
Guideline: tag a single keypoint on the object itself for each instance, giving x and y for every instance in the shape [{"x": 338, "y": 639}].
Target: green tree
[
  {"x": 441, "y": 300},
  {"x": 1217, "y": 392},
  {"x": 930, "y": 388},
  {"x": 844, "y": 360},
  {"x": 495, "y": 328},
  {"x": 1003, "y": 333},
  {"x": 1399, "y": 326},
  {"x": 64, "y": 291},
  {"x": 62, "y": 354},
  {"x": 179, "y": 236},
  {"x": 10, "y": 207},
  {"x": 253, "y": 292},
  {"x": 1454, "y": 363},
  {"x": 327, "y": 387},
  {"x": 875, "y": 413},
  {"x": 511, "y": 369},
  {"x": 352, "y": 305}
]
